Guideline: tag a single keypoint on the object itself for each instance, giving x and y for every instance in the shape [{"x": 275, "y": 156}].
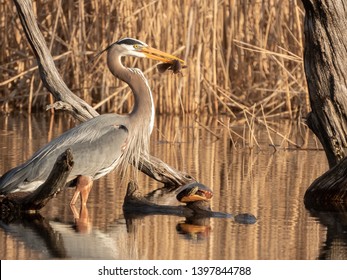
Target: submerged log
[
  {"x": 136, "y": 204},
  {"x": 26, "y": 201},
  {"x": 325, "y": 60}
]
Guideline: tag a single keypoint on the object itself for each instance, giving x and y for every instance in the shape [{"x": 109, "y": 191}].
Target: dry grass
[{"x": 242, "y": 55}]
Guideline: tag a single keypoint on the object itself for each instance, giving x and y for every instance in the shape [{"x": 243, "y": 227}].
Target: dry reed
[{"x": 242, "y": 55}]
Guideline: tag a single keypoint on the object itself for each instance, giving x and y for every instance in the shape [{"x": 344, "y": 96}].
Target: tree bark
[
  {"x": 50, "y": 76},
  {"x": 15, "y": 203},
  {"x": 325, "y": 60},
  {"x": 330, "y": 188}
]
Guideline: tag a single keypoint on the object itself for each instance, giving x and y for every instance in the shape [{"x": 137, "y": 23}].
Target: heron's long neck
[
  {"x": 141, "y": 119},
  {"x": 142, "y": 113}
]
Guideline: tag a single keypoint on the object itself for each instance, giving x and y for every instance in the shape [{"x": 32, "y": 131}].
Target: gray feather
[{"x": 96, "y": 147}]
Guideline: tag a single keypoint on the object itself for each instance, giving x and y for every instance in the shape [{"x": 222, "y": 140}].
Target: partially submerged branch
[
  {"x": 163, "y": 173},
  {"x": 26, "y": 201},
  {"x": 136, "y": 205}
]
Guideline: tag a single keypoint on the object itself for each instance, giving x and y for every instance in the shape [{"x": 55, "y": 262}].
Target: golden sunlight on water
[{"x": 261, "y": 181}]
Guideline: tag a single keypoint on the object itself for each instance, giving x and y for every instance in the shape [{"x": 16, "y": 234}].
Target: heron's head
[{"x": 134, "y": 47}]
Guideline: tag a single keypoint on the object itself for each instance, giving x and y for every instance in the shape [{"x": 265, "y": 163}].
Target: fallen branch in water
[
  {"x": 163, "y": 173},
  {"x": 137, "y": 205},
  {"x": 26, "y": 201}
]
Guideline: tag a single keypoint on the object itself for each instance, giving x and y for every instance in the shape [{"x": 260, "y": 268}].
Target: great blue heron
[{"x": 103, "y": 143}]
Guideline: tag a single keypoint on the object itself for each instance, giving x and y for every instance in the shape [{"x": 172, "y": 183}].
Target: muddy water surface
[{"x": 266, "y": 181}]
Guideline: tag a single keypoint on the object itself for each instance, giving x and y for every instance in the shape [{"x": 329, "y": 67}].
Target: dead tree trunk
[
  {"x": 48, "y": 72},
  {"x": 325, "y": 60}
]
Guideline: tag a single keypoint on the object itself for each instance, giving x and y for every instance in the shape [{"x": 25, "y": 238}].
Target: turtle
[{"x": 194, "y": 192}]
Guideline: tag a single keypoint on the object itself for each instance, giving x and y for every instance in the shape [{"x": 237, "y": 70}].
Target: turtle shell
[{"x": 194, "y": 192}]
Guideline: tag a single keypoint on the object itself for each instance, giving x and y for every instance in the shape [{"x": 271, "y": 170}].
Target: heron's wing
[
  {"x": 95, "y": 144},
  {"x": 100, "y": 155}
]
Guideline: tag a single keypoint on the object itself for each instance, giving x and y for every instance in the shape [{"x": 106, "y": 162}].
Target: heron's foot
[{"x": 83, "y": 186}]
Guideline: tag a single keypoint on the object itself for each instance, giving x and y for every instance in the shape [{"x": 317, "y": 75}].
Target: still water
[{"x": 245, "y": 172}]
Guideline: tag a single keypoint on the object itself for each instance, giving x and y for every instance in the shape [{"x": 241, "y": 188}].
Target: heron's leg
[
  {"x": 75, "y": 196},
  {"x": 83, "y": 225},
  {"x": 83, "y": 187},
  {"x": 85, "y": 190},
  {"x": 75, "y": 213},
  {"x": 82, "y": 221}
]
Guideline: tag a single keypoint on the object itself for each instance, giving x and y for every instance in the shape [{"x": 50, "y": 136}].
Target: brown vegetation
[{"x": 244, "y": 57}]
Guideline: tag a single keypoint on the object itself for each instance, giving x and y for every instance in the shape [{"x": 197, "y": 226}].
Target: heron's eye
[{"x": 136, "y": 47}]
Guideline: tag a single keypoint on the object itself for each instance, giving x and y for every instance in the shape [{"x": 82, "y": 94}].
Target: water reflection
[
  {"x": 37, "y": 234},
  {"x": 335, "y": 245},
  {"x": 268, "y": 184},
  {"x": 81, "y": 241}
]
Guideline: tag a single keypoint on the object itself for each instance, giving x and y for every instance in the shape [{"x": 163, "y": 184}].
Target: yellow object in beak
[{"x": 159, "y": 55}]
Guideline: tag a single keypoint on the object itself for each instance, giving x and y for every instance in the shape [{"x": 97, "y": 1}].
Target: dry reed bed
[{"x": 243, "y": 56}]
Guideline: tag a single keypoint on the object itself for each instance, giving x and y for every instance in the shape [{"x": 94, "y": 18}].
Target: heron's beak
[{"x": 159, "y": 55}]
